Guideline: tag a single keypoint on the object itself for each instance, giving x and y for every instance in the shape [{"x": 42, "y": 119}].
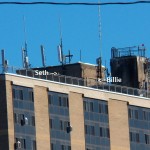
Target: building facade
[{"x": 39, "y": 114}]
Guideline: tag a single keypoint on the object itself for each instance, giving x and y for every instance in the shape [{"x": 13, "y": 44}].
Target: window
[
  {"x": 21, "y": 94},
  {"x": 33, "y": 120},
  {"x": 14, "y": 93},
  {"x": 147, "y": 139},
  {"x": 104, "y": 132},
  {"x": 106, "y": 109},
  {"x": 16, "y": 118},
  {"x": 65, "y": 147},
  {"x": 145, "y": 115},
  {"x": 131, "y": 136},
  {"x": 62, "y": 147},
  {"x": 33, "y": 145},
  {"x": 64, "y": 125},
  {"x": 89, "y": 130},
  {"x": 51, "y": 123},
  {"x": 136, "y": 114},
  {"x": 133, "y": 114},
  {"x": 91, "y": 107},
  {"x": 92, "y": 130},
  {"x": 61, "y": 125},
  {"x": 107, "y": 133},
  {"x": 50, "y": 99},
  {"x": 130, "y": 113},
  {"x": 60, "y": 101},
  {"x": 67, "y": 102},
  {"x": 86, "y": 129},
  {"x": 69, "y": 147},
  {"x": 137, "y": 137},
  {"x": 63, "y": 101},
  {"x": 88, "y": 106},
  {"x": 85, "y": 105},
  {"x": 134, "y": 137},
  {"x": 31, "y": 96},
  {"x": 101, "y": 131},
  {"x": 100, "y": 108},
  {"x": 103, "y": 108},
  {"x": 22, "y": 119},
  {"x": 52, "y": 146}
]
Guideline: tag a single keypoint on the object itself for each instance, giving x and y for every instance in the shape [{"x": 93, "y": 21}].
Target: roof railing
[{"x": 88, "y": 82}]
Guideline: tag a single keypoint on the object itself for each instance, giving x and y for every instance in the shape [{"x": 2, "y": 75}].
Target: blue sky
[{"x": 122, "y": 26}]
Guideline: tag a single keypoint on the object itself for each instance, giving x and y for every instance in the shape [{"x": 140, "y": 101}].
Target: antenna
[
  {"x": 99, "y": 60},
  {"x": 100, "y": 28},
  {"x": 25, "y": 36},
  {"x": 69, "y": 56},
  {"x": 4, "y": 61},
  {"x": 25, "y": 58},
  {"x": 80, "y": 55},
  {"x": 60, "y": 31},
  {"x": 3, "y": 57},
  {"x": 61, "y": 57},
  {"x": 43, "y": 56},
  {"x": 59, "y": 54}
]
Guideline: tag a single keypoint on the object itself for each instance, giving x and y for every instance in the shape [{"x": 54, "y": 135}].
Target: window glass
[
  {"x": 96, "y": 124},
  {"x": 33, "y": 121},
  {"x": 31, "y": 96},
  {"x": 24, "y": 120},
  {"x": 50, "y": 99},
  {"x": 34, "y": 145},
  {"x": 139, "y": 126},
  {"x": 21, "y": 94},
  {"x": 59, "y": 120}
]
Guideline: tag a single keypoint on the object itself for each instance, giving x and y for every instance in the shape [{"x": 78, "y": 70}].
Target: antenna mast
[
  {"x": 25, "y": 59},
  {"x": 99, "y": 60},
  {"x": 43, "y": 56},
  {"x": 61, "y": 56},
  {"x": 100, "y": 28}
]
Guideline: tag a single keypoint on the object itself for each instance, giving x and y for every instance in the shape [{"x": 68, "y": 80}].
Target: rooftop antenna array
[
  {"x": 61, "y": 56},
  {"x": 43, "y": 56},
  {"x": 25, "y": 59},
  {"x": 99, "y": 60}
]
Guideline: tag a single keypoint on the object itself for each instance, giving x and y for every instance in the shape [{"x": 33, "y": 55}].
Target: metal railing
[{"x": 88, "y": 82}]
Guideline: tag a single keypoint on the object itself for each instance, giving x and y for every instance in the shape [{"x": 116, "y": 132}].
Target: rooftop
[{"x": 91, "y": 83}]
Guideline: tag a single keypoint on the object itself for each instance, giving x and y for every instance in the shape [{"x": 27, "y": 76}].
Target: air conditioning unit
[
  {"x": 69, "y": 129},
  {"x": 18, "y": 145}
]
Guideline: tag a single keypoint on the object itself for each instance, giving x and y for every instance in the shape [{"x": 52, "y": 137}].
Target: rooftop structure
[{"x": 129, "y": 64}]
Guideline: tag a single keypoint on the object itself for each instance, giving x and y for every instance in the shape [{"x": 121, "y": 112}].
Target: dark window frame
[
  {"x": 136, "y": 114},
  {"x": 21, "y": 96},
  {"x": 147, "y": 138},
  {"x": 31, "y": 96}
]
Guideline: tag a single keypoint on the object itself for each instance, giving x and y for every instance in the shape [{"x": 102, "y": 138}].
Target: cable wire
[{"x": 73, "y": 3}]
